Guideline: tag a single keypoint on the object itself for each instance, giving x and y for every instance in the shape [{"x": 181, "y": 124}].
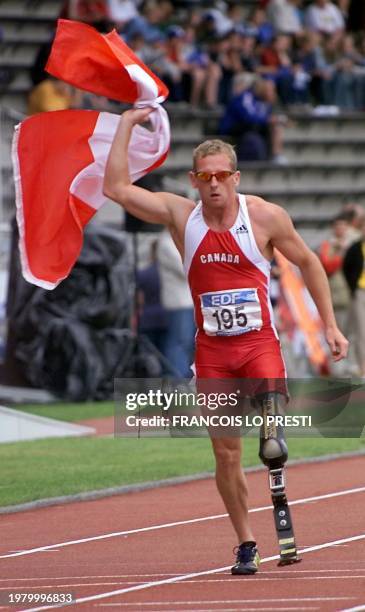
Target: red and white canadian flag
[{"x": 59, "y": 157}]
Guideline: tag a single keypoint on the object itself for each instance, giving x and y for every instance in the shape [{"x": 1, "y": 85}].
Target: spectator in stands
[
  {"x": 53, "y": 95},
  {"x": 174, "y": 66},
  {"x": 304, "y": 60},
  {"x": 284, "y": 16},
  {"x": 176, "y": 299},
  {"x": 356, "y": 60},
  {"x": 150, "y": 23},
  {"x": 215, "y": 24},
  {"x": 276, "y": 64},
  {"x": 355, "y": 215},
  {"x": 249, "y": 119},
  {"x": 205, "y": 77},
  {"x": 237, "y": 54},
  {"x": 122, "y": 11},
  {"x": 259, "y": 26},
  {"x": 337, "y": 78},
  {"x": 331, "y": 254},
  {"x": 236, "y": 15},
  {"x": 152, "y": 320},
  {"x": 325, "y": 17},
  {"x": 94, "y": 12},
  {"x": 249, "y": 58},
  {"x": 354, "y": 271},
  {"x": 191, "y": 73}
]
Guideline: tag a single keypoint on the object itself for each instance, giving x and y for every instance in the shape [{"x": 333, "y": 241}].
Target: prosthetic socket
[{"x": 274, "y": 453}]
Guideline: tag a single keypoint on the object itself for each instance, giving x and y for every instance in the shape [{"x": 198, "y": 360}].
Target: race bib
[{"x": 231, "y": 313}]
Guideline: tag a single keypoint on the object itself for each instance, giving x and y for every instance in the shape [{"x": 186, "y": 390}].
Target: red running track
[{"x": 129, "y": 565}]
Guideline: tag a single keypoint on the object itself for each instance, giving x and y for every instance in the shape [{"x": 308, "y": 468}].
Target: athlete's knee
[{"x": 273, "y": 448}]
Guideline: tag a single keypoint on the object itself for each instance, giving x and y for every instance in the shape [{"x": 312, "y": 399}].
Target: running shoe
[{"x": 248, "y": 560}]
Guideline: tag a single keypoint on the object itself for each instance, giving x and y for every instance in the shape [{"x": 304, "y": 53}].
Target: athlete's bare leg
[{"x": 232, "y": 484}]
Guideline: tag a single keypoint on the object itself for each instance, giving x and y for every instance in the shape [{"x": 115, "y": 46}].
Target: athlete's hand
[
  {"x": 337, "y": 342},
  {"x": 137, "y": 115}
]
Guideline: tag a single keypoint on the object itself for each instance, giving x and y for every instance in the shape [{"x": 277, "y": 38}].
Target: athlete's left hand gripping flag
[{"x": 59, "y": 157}]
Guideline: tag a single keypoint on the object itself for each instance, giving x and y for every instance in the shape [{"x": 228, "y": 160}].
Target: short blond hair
[{"x": 215, "y": 147}]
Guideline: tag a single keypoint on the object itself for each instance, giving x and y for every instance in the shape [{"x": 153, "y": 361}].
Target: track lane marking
[
  {"x": 279, "y": 571},
  {"x": 196, "y": 581},
  {"x": 229, "y": 601},
  {"x": 149, "y": 585},
  {"x": 304, "y": 500}
]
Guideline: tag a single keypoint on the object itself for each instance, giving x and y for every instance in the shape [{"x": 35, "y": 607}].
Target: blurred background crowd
[{"x": 252, "y": 66}]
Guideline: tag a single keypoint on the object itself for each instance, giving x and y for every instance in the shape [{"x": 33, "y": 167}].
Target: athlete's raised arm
[
  {"x": 285, "y": 238},
  {"x": 146, "y": 205}
]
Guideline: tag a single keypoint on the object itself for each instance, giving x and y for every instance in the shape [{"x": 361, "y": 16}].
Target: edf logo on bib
[{"x": 228, "y": 298}]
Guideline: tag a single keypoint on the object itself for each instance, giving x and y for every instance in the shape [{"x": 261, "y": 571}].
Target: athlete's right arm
[{"x": 148, "y": 206}]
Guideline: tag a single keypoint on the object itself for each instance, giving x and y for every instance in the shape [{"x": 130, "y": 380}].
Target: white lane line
[
  {"x": 229, "y": 601},
  {"x": 292, "y": 609},
  {"x": 195, "y": 581},
  {"x": 149, "y": 585},
  {"x": 276, "y": 579},
  {"x": 100, "y": 577},
  {"x": 279, "y": 575},
  {"x": 359, "y": 608},
  {"x": 304, "y": 500},
  {"x": 286, "y": 609},
  {"x": 280, "y": 571}
]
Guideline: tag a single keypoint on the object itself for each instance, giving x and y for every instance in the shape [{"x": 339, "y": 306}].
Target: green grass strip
[{"x": 41, "y": 469}]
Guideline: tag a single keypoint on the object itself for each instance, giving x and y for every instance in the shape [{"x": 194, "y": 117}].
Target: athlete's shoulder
[{"x": 264, "y": 212}]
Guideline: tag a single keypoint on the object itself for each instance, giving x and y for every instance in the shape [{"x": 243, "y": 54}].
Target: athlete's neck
[{"x": 221, "y": 218}]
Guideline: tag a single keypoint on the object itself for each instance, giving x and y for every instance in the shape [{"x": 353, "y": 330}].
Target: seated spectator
[
  {"x": 122, "y": 11},
  {"x": 215, "y": 23},
  {"x": 325, "y": 17},
  {"x": 173, "y": 66},
  {"x": 284, "y": 16},
  {"x": 235, "y": 14},
  {"x": 259, "y": 26},
  {"x": 338, "y": 79},
  {"x": 249, "y": 119},
  {"x": 52, "y": 95},
  {"x": 94, "y": 12},
  {"x": 190, "y": 72},
  {"x": 149, "y": 23},
  {"x": 236, "y": 55},
  {"x": 276, "y": 64},
  {"x": 305, "y": 61},
  {"x": 357, "y": 61}
]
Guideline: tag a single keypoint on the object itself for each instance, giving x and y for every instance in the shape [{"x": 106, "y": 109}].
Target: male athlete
[{"x": 226, "y": 243}]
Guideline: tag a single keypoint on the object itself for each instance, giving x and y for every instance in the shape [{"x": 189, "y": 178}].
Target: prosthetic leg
[{"x": 274, "y": 453}]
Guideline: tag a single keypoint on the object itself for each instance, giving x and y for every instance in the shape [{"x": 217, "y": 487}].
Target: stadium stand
[{"x": 324, "y": 154}]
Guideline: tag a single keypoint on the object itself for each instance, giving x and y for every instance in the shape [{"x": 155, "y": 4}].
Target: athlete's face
[{"x": 215, "y": 192}]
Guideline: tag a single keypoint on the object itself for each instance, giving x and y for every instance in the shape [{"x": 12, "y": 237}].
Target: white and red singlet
[{"x": 229, "y": 280}]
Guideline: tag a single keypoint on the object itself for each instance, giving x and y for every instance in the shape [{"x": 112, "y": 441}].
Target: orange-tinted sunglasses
[{"x": 206, "y": 177}]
